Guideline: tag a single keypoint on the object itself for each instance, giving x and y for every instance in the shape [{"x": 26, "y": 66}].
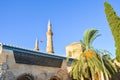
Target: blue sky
[{"x": 22, "y": 21}]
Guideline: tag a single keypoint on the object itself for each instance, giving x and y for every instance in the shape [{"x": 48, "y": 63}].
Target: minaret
[
  {"x": 49, "y": 33},
  {"x": 36, "y": 45}
]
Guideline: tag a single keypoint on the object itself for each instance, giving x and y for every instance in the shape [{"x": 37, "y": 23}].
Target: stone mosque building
[{"x": 18, "y": 63}]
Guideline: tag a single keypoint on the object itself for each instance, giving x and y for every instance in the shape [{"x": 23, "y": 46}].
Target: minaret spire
[
  {"x": 49, "y": 26},
  {"x": 49, "y": 33},
  {"x": 36, "y": 45}
]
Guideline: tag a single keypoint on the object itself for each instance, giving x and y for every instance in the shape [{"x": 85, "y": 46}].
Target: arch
[
  {"x": 55, "y": 78},
  {"x": 25, "y": 77}
]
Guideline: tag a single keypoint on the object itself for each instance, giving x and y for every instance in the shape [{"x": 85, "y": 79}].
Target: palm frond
[
  {"x": 92, "y": 62},
  {"x": 89, "y": 36}
]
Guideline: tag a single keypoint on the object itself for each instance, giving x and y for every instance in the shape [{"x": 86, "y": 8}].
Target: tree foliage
[
  {"x": 91, "y": 63},
  {"x": 114, "y": 23}
]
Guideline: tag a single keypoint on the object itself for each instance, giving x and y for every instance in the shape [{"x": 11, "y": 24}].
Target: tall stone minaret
[
  {"x": 36, "y": 45},
  {"x": 49, "y": 33}
]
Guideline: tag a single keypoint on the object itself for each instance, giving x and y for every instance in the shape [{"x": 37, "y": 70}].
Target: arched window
[
  {"x": 55, "y": 78},
  {"x": 25, "y": 77}
]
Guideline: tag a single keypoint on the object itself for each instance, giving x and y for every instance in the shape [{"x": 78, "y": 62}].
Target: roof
[{"x": 33, "y": 52}]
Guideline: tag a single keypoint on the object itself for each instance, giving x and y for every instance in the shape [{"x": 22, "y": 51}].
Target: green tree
[
  {"x": 109, "y": 68},
  {"x": 91, "y": 64},
  {"x": 114, "y": 23},
  {"x": 88, "y": 66}
]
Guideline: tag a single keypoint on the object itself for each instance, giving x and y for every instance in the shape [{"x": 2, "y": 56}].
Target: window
[
  {"x": 55, "y": 78},
  {"x": 25, "y": 77}
]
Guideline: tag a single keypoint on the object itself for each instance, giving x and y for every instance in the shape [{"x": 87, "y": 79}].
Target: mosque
[{"x": 18, "y": 63}]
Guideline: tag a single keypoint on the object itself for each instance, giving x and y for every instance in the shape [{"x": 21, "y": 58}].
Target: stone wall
[
  {"x": 74, "y": 50},
  {"x": 13, "y": 70}
]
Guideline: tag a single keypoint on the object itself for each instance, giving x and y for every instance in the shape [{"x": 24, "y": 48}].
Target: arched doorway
[
  {"x": 55, "y": 78},
  {"x": 25, "y": 77}
]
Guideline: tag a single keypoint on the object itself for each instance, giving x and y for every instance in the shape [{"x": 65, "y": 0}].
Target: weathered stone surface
[
  {"x": 74, "y": 50},
  {"x": 13, "y": 70},
  {"x": 9, "y": 76}
]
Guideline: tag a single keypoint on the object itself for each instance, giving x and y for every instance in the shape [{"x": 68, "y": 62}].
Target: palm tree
[
  {"x": 87, "y": 65},
  {"x": 89, "y": 36},
  {"x": 109, "y": 68},
  {"x": 90, "y": 65}
]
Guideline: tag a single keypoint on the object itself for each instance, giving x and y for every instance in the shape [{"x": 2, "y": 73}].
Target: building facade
[
  {"x": 24, "y": 64},
  {"x": 18, "y": 63}
]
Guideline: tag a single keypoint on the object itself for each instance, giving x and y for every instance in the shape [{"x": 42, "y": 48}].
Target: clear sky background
[{"x": 22, "y": 21}]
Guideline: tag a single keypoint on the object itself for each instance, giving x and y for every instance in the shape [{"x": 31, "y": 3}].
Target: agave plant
[{"x": 91, "y": 65}]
